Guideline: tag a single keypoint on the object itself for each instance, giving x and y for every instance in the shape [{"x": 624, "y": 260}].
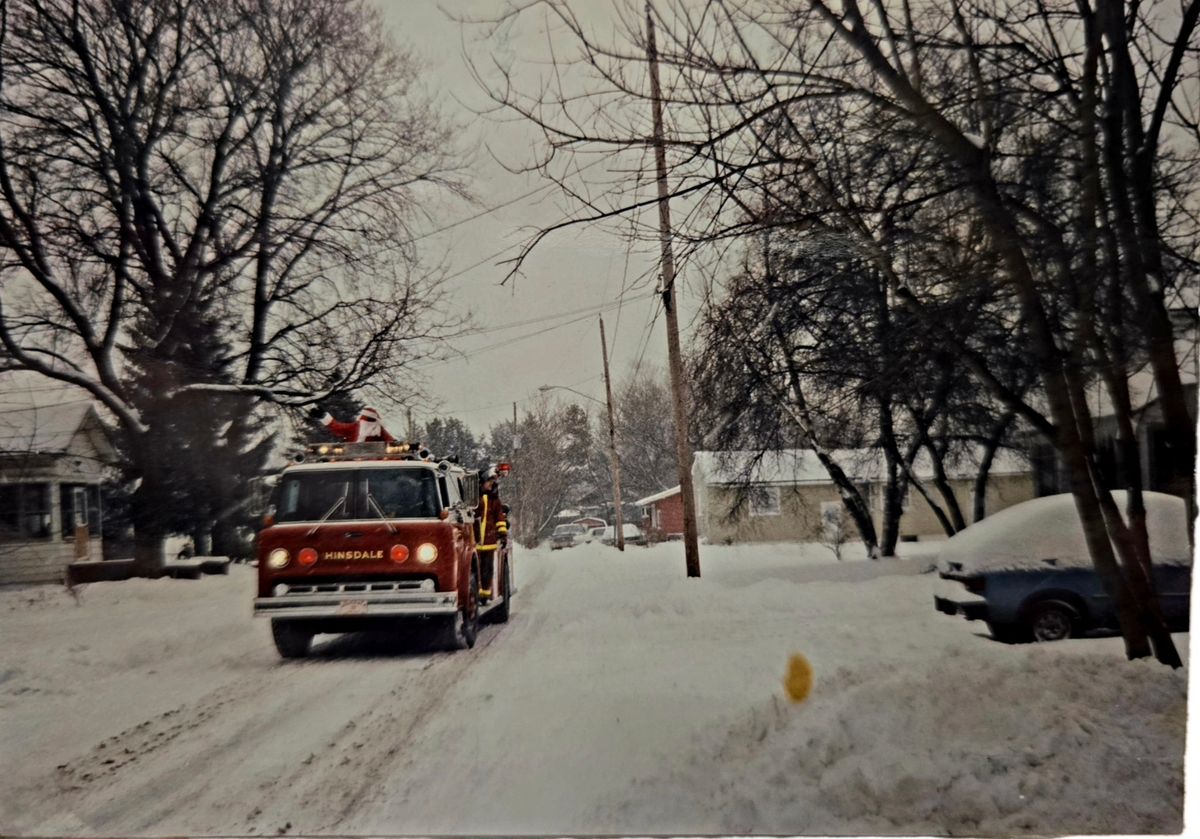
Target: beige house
[
  {"x": 52, "y": 461},
  {"x": 792, "y": 499}
]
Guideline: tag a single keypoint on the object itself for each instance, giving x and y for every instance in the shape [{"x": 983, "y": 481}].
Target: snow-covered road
[{"x": 620, "y": 698}]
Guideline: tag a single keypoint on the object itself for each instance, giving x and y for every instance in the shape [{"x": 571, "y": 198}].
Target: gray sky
[{"x": 578, "y": 269}]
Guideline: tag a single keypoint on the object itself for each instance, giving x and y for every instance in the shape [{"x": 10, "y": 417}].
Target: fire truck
[{"x": 363, "y": 536}]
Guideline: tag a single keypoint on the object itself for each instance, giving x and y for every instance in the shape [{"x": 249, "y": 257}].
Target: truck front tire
[
  {"x": 292, "y": 640},
  {"x": 462, "y": 629}
]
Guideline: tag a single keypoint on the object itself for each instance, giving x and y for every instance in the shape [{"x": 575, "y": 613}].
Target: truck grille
[{"x": 357, "y": 587}]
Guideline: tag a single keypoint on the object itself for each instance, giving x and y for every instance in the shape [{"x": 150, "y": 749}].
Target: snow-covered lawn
[{"x": 621, "y": 698}]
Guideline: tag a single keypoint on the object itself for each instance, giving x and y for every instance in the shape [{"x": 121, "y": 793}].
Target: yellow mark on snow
[{"x": 799, "y": 679}]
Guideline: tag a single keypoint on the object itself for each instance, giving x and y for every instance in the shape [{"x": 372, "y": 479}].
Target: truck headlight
[
  {"x": 427, "y": 552},
  {"x": 278, "y": 558}
]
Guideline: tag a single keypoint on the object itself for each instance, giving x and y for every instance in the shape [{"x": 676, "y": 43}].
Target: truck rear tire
[
  {"x": 502, "y": 611},
  {"x": 291, "y": 639}
]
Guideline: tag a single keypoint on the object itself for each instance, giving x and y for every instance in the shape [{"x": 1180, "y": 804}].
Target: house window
[
  {"x": 24, "y": 511},
  {"x": 764, "y": 501}
]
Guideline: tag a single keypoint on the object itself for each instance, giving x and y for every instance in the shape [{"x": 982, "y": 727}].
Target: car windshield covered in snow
[{"x": 341, "y": 494}]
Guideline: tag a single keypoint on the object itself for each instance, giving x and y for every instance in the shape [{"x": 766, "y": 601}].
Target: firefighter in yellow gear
[{"x": 491, "y": 535}]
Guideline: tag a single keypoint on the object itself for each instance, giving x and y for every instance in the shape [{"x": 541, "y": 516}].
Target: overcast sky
[{"x": 579, "y": 269}]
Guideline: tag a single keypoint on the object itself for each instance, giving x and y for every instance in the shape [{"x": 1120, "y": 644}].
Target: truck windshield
[
  {"x": 341, "y": 495},
  {"x": 401, "y": 494},
  {"x": 311, "y": 496}
]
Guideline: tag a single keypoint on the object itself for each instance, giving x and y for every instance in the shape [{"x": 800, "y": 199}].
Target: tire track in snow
[
  {"x": 376, "y": 762},
  {"x": 310, "y": 742},
  {"x": 187, "y": 764}
]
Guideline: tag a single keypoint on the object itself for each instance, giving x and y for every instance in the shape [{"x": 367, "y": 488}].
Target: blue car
[{"x": 1026, "y": 571}]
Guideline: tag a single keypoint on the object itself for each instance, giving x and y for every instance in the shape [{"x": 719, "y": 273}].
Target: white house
[
  {"x": 791, "y": 497},
  {"x": 52, "y": 461}
]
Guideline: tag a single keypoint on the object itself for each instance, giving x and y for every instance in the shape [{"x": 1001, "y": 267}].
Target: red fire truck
[{"x": 364, "y": 535}]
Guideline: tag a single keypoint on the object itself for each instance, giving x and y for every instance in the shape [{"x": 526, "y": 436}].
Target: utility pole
[
  {"x": 516, "y": 444},
  {"x": 683, "y": 448},
  {"x": 619, "y": 524},
  {"x": 412, "y": 432}
]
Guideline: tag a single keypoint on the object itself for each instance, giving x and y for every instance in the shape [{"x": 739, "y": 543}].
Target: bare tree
[
  {"x": 241, "y": 171},
  {"x": 1054, "y": 140},
  {"x": 645, "y": 436},
  {"x": 553, "y": 464}
]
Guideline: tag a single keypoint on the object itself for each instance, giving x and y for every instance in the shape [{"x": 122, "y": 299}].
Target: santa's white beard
[{"x": 368, "y": 429}]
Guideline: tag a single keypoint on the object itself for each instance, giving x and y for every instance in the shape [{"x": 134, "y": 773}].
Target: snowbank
[{"x": 622, "y": 698}]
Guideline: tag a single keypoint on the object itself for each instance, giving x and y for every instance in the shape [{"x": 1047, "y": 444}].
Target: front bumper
[
  {"x": 972, "y": 610},
  {"x": 346, "y": 605}
]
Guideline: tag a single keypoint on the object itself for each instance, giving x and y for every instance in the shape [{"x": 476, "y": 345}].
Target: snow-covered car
[
  {"x": 633, "y": 535},
  {"x": 566, "y": 536},
  {"x": 1027, "y": 573}
]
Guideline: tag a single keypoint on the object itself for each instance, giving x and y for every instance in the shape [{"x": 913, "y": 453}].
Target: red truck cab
[{"x": 364, "y": 535}]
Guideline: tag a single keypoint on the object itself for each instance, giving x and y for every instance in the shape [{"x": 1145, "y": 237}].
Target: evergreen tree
[{"x": 450, "y": 437}]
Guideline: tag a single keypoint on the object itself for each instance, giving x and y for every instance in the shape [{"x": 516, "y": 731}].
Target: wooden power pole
[
  {"x": 516, "y": 473},
  {"x": 683, "y": 448},
  {"x": 619, "y": 524}
]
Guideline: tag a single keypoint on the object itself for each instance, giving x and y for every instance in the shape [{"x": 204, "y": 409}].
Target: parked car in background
[
  {"x": 593, "y": 534},
  {"x": 633, "y": 535},
  {"x": 566, "y": 536},
  {"x": 1027, "y": 573}
]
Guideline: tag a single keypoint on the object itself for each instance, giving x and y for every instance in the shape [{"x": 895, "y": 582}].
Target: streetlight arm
[{"x": 547, "y": 388}]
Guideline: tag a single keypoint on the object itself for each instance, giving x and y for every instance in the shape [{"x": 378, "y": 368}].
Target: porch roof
[{"x": 658, "y": 496}]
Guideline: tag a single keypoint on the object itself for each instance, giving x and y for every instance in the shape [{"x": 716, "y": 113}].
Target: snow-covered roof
[
  {"x": 48, "y": 429},
  {"x": 658, "y": 496},
  {"x": 801, "y": 466},
  {"x": 1026, "y": 535}
]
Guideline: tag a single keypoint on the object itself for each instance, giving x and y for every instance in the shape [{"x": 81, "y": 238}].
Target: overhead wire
[{"x": 476, "y": 351}]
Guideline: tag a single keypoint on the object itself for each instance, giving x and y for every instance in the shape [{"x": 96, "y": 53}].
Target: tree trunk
[
  {"x": 201, "y": 540},
  {"x": 990, "y": 447},
  {"x": 226, "y": 542},
  {"x": 893, "y": 490},
  {"x": 149, "y": 553},
  {"x": 942, "y": 481}
]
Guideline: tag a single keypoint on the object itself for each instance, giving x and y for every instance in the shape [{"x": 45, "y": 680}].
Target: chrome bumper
[{"x": 359, "y": 605}]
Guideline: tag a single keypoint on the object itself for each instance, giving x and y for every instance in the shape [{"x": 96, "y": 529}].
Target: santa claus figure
[{"x": 365, "y": 429}]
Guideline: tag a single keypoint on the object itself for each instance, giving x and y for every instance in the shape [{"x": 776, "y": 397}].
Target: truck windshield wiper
[
  {"x": 328, "y": 513},
  {"x": 371, "y": 500}
]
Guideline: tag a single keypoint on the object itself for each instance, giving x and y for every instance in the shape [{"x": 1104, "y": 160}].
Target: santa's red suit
[{"x": 363, "y": 430}]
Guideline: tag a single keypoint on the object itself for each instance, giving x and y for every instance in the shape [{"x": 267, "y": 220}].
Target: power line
[
  {"x": 589, "y": 312},
  {"x": 496, "y": 207}
]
